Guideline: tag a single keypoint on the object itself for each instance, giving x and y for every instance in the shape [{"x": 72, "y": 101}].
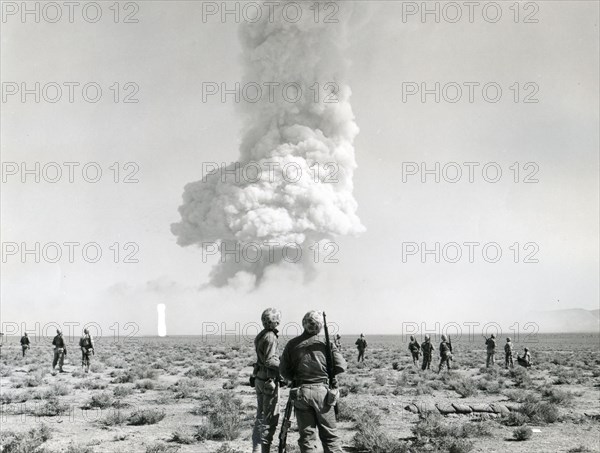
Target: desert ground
[{"x": 188, "y": 394}]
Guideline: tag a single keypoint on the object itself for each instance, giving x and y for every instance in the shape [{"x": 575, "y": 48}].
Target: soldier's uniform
[
  {"x": 525, "y": 360},
  {"x": 415, "y": 349},
  {"x": 361, "y": 345},
  {"x": 445, "y": 353},
  {"x": 24, "y": 343},
  {"x": 338, "y": 342},
  {"x": 87, "y": 347},
  {"x": 304, "y": 363},
  {"x": 490, "y": 344},
  {"x": 508, "y": 357},
  {"x": 427, "y": 348},
  {"x": 60, "y": 349},
  {"x": 266, "y": 382}
]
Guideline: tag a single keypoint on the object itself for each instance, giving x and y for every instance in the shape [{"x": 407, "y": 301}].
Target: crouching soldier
[
  {"x": 60, "y": 350},
  {"x": 24, "y": 343},
  {"x": 445, "y": 353},
  {"x": 415, "y": 349},
  {"x": 304, "y": 363},
  {"x": 266, "y": 382},
  {"x": 427, "y": 348},
  {"x": 508, "y": 358},
  {"x": 87, "y": 348},
  {"x": 525, "y": 360}
]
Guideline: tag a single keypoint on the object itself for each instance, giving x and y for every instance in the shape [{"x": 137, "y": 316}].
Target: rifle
[
  {"x": 285, "y": 426},
  {"x": 330, "y": 365}
]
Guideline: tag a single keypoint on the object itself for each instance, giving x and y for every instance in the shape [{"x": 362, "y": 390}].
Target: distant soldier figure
[
  {"x": 266, "y": 382},
  {"x": 337, "y": 341},
  {"x": 60, "y": 350},
  {"x": 508, "y": 356},
  {"x": 427, "y": 348},
  {"x": 445, "y": 353},
  {"x": 525, "y": 360},
  {"x": 24, "y": 343},
  {"x": 415, "y": 349},
  {"x": 304, "y": 363},
  {"x": 361, "y": 345},
  {"x": 490, "y": 344},
  {"x": 87, "y": 347}
]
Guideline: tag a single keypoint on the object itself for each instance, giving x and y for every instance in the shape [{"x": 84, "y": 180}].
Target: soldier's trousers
[
  {"x": 444, "y": 361},
  {"x": 508, "y": 359},
  {"x": 361, "y": 355},
  {"x": 314, "y": 415},
  {"x": 59, "y": 358},
  {"x": 415, "y": 356},
  {"x": 491, "y": 359},
  {"x": 426, "y": 362},
  {"x": 24, "y": 348},
  {"x": 267, "y": 415}
]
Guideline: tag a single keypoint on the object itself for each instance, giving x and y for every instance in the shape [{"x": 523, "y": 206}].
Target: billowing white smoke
[{"x": 311, "y": 135}]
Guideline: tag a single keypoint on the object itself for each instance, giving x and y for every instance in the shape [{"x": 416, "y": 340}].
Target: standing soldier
[
  {"x": 24, "y": 343},
  {"x": 427, "y": 348},
  {"x": 415, "y": 348},
  {"x": 266, "y": 382},
  {"x": 338, "y": 342},
  {"x": 490, "y": 344},
  {"x": 361, "y": 345},
  {"x": 445, "y": 353},
  {"x": 87, "y": 347},
  {"x": 304, "y": 362},
  {"x": 508, "y": 358},
  {"x": 60, "y": 350}
]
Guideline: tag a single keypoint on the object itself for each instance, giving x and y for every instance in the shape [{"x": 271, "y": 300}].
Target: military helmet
[
  {"x": 412, "y": 338},
  {"x": 508, "y": 340},
  {"x": 86, "y": 331},
  {"x": 427, "y": 336},
  {"x": 493, "y": 336},
  {"x": 526, "y": 349},
  {"x": 313, "y": 322},
  {"x": 444, "y": 338},
  {"x": 58, "y": 331},
  {"x": 270, "y": 318}
]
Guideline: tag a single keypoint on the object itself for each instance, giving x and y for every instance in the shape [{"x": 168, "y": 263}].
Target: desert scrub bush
[
  {"x": 223, "y": 418},
  {"x": 380, "y": 378},
  {"x": 13, "y": 397},
  {"x": 76, "y": 448},
  {"x": 542, "y": 412},
  {"x": 422, "y": 388},
  {"x": 514, "y": 419},
  {"x": 51, "y": 408},
  {"x": 522, "y": 433},
  {"x": 101, "y": 400},
  {"x": 558, "y": 396},
  {"x": 210, "y": 372},
  {"x": 145, "y": 384},
  {"x": 348, "y": 410},
  {"x": 371, "y": 437},
  {"x": 226, "y": 448},
  {"x": 182, "y": 438},
  {"x": 25, "y": 442},
  {"x": 146, "y": 417},
  {"x": 465, "y": 387},
  {"x": 120, "y": 391},
  {"x": 114, "y": 418},
  {"x": 34, "y": 380},
  {"x": 435, "y": 426},
  {"x": 521, "y": 377},
  {"x": 579, "y": 449},
  {"x": 162, "y": 448}
]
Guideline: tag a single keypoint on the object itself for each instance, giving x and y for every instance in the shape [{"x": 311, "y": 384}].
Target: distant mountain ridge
[{"x": 567, "y": 320}]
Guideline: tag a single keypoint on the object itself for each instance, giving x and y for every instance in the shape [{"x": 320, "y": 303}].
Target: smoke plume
[{"x": 312, "y": 137}]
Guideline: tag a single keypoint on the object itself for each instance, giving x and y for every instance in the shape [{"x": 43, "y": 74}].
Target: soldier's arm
[
  {"x": 285, "y": 365},
  {"x": 271, "y": 358},
  {"x": 339, "y": 363}
]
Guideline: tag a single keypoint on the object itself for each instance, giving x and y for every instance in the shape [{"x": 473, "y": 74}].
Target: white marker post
[{"x": 162, "y": 325}]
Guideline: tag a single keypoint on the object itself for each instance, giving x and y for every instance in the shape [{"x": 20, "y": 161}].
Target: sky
[{"x": 170, "y": 132}]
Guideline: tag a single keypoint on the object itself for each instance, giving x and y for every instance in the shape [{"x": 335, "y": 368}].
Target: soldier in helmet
[
  {"x": 445, "y": 353},
  {"x": 415, "y": 349},
  {"x": 60, "y": 350},
  {"x": 508, "y": 357},
  {"x": 265, "y": 379},
  {"x": 24, "y": 343},
  {"x": 87, "y": 347},
  {"x": 490, "y": 344},
  {"x": 337, "y": 341},
  {"x": 526, "y": 359},
  {"x": 427, "y": 348},
  {"x": 361, "y": 345},
  {"x": 304, "y": 363}
]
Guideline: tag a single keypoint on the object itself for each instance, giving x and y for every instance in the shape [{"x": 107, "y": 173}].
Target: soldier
[
  {"x": 87, "y": 347},
  {"x": 445, "y": 353},
  {"x": 415, "y": 349},
  {"x": 24, "y": 343},
  {"x": 525, "y": 360},
  {"x": 508, "y": 358},
  {"x": 266, "y": 382},
  {"x": 427, "y": 348},
  {"x": 304, "y": 363},
  {"x": 490, "y": 344},
  {"x": 60, "y": 350},
  {"x": 337, "y": 341},
  {"x": 361, "y": 345}
]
